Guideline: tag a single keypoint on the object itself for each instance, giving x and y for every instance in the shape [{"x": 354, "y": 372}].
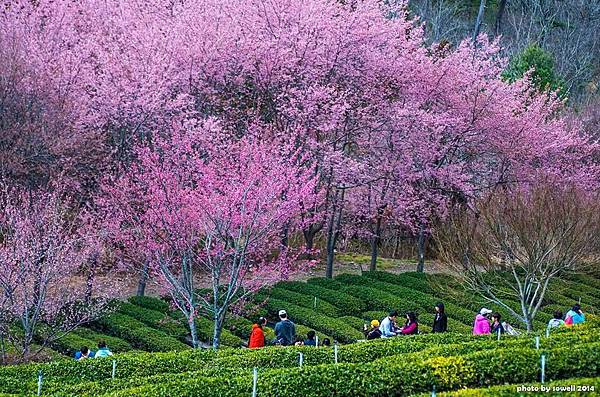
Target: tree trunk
[
  {"x": 375, "y": 244},
  {"x": 192, "y": 325},
  {"x": 285, "y": 236},
  {"x": 333, "y": 232},
  {"x": 421, "y": 249},
  {"x": 499, "y": 15},
  {"x": 479, "y": 20},
  {"x": 141, "y": 289},
  {"x": 310, "y": 233},
  {"x": 89, "y": 283},
  {"x": 217, "y": 331},
  {"x": 2, "y": 348}
]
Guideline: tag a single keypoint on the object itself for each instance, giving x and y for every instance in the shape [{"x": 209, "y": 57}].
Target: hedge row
[
  {"x": 20, "y": 379},
  {"x": 74, "y": 340},
  {"x": 390, "y": 376},
  {"x": 308, "y": 301},
  {"x": 150, "y": 302},
  {"x": 155, "y": 319},
  {"x": 138, "y": 334},
  {"x": 346, "y": 303},
  {"x": 205, "y": 330}
]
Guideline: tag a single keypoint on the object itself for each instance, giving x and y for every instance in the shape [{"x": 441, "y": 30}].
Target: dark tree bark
[
  {"x": 421, "y": 249},
  {"x": 499, "y": 15},
  {"x": 310, "y": 233},
  {"x": 333, "y": 230},
  {"x": 376, "y": 239},
  {"x": 479, "y": 20},
  {"x": 141, "y": 290}
]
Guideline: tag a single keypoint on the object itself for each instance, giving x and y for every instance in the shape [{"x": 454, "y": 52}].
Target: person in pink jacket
[{"x": 481, "y": 326}]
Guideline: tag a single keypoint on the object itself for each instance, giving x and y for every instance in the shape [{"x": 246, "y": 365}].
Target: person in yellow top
[{"x": 373, "y": 332}]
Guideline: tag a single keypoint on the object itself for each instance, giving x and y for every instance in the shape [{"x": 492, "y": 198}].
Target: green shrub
[
  {"x": 155, "y": 319},
  {"x": 304, "y": 300},
  {"x": 346, "y": 304},
  {"x": 150, "y": 302},
  {"x": 116, "y": 345},
  {"x": 138, "y": 334}
]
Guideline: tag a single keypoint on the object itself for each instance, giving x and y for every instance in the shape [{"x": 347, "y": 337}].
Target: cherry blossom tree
[
  {"x": 41, "y": 250},
  {"x": 213, "y": 206}
]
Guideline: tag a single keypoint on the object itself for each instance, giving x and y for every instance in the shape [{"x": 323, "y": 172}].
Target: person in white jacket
[{"x": 387, "y": 325}]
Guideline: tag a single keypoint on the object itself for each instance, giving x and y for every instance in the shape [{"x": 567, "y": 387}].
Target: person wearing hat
[
  {"x": 285, "y": 330},
  {"x": 373, "y": 332},
  {"x": 481, "y": 326}
]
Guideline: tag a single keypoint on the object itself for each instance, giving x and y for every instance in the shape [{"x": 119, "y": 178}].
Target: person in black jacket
[{"x": 440, "y": 321}]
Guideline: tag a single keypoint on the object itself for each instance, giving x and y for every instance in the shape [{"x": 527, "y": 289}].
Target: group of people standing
[{"x": 488, "y": 322}]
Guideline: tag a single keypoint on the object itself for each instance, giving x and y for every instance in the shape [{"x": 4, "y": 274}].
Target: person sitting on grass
[
  {"x": 497, "y": 326},
  {"x": 575, "y": 316},
  {"x": 373, "y": 332},
  {"x": 411, "y": 325},
  {"x": 257, "y": 336},
  {"x": 310, "y": 339},
  {"x": 102, "y": 350},
  {"x": 440, "y": 321},
  {"x": 285, "y": 330},
  {"x": 481, "y": 325},
  {"x": 387, "y": 325},
  {"x": 557, "y": 321},
  {"x": 83, "y": 353},
  {"x": 326, "y": 342}
]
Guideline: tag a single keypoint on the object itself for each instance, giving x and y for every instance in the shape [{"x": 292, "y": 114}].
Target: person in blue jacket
[
  {"x": 387, "y": 325},
  {"x": 83, "y": 353},
  {"x": 575, "y": 316}
]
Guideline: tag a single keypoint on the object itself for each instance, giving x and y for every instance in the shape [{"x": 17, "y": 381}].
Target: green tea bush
[
  {"x": 138, "y": 334},
  {"x": 308, "y": 301},
  {"x": 346, "y": 304}
]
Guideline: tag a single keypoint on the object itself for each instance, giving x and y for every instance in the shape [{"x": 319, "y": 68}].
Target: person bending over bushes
[
  {"x": 575, "y": 316},
  {"x": 326, "y": 342},
  {"x": 557, "y": 321},
  {"x": 83, "y": 353},
  {"x": 411, "y": 325},
  {"x": 102, "y": 350},
  {"x": 387, "y": 327},
  {"x": 257, "y": 336},
  {"x": 481, "y": 326},
  {"x": 310, "y": 339},
  {"x": 285, "y": 330},
  {"x": 373, "y": 332},
  {"x": 440, "y": 321}
]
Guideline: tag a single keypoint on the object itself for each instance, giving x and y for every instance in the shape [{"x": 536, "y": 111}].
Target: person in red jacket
[{"x": 257, "y": 336}]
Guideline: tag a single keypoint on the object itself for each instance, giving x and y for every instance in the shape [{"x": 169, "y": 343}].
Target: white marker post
[
  {"x": 315, "y": 304},
  {"x": 40, "y": 380},
  {"x": 498, "y": 332},
  {"x": 547, "y": 332},
  {"x": 543, "y": 367},
  {"x": 433, "y": 391},
  {"x": 301, "y": 359},
  {"x": 335, "y": 352},
  {"x": 537, "y": 342},
  {"x": 316, "y": 340},
  {"x": 254, "y": 381},
  {"x": 114, "y": 368}
]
